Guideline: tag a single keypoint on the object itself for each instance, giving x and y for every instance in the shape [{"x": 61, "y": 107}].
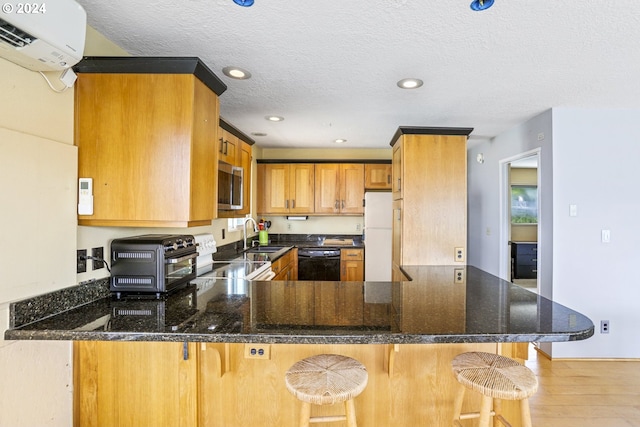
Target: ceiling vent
[{"x": 49, "y": 37}]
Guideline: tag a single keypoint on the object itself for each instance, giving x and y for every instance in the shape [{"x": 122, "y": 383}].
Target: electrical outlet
[
  {"x": 459, "y": 254},
  {"x": 97, "y": 253},
  {"x": 357, "y": 227},
  {"x": 289, "y": 226},
  {"x": 604, "y": 326},
  {"x": 81, "y": 261},
  {"x": 257, "y": 351},
  {"x": 458, "y": 275}
]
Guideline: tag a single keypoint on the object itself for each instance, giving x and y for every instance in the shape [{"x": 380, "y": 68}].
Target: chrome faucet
[{"x": 244, "y": 230}]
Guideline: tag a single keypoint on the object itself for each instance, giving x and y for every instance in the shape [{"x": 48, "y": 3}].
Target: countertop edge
[{"x": 61, "y": 335}]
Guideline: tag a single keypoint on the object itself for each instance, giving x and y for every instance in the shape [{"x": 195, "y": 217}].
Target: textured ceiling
[{"x": 330, "y": 67}]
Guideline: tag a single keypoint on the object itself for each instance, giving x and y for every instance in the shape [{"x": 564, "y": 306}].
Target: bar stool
[
  {"x": 496, "y": 378},
  {"x": 326, "y": 379}
]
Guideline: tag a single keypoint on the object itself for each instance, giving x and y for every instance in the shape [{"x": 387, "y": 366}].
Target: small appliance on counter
[{"x": 152, "y": 263}]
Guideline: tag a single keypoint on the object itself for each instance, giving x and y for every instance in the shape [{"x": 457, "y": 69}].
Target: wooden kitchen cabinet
[
  {"x": 339, "y": 188},
  {"x": 286, "y": 267},
  {"x": 352, "y": 265},
  {"x": 228, "y": 147},
  {"x": 377, "y": 176},
  {"x": 430, "y": 196},
  {"x": 148, "y": 140},
  {"x": 285, "y": 188},
  {"x": 124, "y": 384}
]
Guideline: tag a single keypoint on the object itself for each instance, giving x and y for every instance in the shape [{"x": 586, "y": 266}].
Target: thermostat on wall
[{"x": 85, "y": 196}]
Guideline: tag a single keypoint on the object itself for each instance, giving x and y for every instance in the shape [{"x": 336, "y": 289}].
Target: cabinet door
[
  {"x": 351, "y": 188},
  {"x": 351, "y": 265},
  {"x": 123, "y": 384},
  {"x": 377, "y": 176},
  {"x": 228, "y": 146},
  {"x": 326, "y": 188},
  {"x": 274, "y": 197},
  {"x": 301, "y": 191}
]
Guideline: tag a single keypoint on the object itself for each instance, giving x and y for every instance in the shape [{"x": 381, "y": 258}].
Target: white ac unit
[{"x": 44, "y": 36}]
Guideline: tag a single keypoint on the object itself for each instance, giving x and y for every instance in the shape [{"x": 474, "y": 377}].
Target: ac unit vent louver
[{"x": 14, "y": 36}]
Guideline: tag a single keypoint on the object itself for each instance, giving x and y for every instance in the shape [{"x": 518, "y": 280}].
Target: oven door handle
[{"x": 184, "y": 258}]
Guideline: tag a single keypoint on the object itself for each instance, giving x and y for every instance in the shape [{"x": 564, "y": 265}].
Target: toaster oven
[{"x": 152, "y": 263}]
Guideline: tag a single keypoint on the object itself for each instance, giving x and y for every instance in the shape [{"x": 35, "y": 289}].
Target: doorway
[{"x": 521, "y": 219}]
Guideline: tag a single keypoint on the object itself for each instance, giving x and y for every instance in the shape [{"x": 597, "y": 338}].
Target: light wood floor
[{"x": 576, "y": 393}]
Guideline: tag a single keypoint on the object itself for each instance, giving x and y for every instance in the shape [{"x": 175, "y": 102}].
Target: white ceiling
[{"x": 330, "y": 67}]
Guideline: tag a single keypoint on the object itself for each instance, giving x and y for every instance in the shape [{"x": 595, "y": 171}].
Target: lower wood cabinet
[
  {"x": 126, "y": 384},
  {"x": 286, "y": 267},
  {"x": 352, "y": 265},
  {"x": 136, "y": 384}
]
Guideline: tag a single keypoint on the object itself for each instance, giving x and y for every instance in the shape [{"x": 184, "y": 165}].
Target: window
[
  {"x": 524, "y": 204},
  {"x": 234, "y": 224}
]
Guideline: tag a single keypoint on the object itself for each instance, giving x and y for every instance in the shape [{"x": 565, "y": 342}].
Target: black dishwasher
[{"x": 319, "y": 264}]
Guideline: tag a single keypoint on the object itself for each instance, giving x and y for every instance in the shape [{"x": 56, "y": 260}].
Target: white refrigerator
[{"x": 378, "y": 221}]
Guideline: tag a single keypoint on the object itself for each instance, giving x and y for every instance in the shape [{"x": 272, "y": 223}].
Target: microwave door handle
[{"x": 184, "y": 258}]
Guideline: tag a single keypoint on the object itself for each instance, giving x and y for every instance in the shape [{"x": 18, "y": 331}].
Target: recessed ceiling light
[
  {"x": 236, "y": 73},
  {"x": 410, "y": 83},
  {"x": 340, "y": 141},
  {"x": 481, "y": 4},
  {"x": 245, "y": 3},
  {"x": 274, "y": 118},
  {"x": 258, "y": 134}
]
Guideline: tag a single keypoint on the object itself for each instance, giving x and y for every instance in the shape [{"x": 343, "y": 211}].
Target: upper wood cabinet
[
  {"x": 430, "y": 193},
  {"x": 339, "y": 188},
  {"x": 228, "y": 147},
  {"x": 149, "y": 140},
  {"x": 377, "y": 176},
  {"x": 285, "y": 188}
]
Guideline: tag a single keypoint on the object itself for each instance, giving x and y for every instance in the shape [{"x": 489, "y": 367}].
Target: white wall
[
  {"x": 587, "y": 158},
  {"x": 487, "y": 241},
  {"x": 38, "y": 231},
  {"x": 596, "y": 156}
]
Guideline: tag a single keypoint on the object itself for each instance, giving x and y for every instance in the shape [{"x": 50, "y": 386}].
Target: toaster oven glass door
[{"x": 179, "y": 270}]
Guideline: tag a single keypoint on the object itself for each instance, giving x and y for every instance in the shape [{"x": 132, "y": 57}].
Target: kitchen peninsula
[{"x": 196, "y": 344}]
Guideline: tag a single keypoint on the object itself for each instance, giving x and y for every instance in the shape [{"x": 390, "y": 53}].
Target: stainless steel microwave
[{"x": 230, "y": 182}]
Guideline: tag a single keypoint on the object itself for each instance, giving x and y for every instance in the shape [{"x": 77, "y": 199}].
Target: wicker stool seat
[
  {"x": 496, "y": 378},
  {"x": 326, "y": 379}
]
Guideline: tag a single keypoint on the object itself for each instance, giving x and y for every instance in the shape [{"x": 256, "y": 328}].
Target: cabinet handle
[
  {"x": 399, "y": 186},
  {"x": 398, "y": 217},
  {"x": 343, "y": 204},
  {"x": 388, "y": 179},
  {"x": 286, "y": 204},
  {"x": 185, "y": 351},
  {"x": 226, "y": 147},
  {"x": 293, "y": 203},
  {"x": 336, "y": 205},
  {"x": 221, "y": 145}
]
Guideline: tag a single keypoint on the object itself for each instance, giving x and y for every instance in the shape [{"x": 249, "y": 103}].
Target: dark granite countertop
[{"x": 434, "y": 307}]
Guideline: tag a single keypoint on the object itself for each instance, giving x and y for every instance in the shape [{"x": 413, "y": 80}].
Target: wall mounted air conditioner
[{"x": 45, "y": 36}]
